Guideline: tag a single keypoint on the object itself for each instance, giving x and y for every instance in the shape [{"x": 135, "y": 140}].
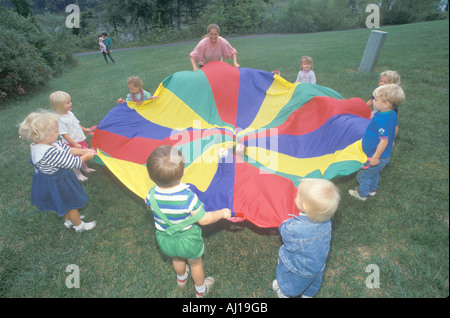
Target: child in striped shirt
[
  {"x": 55, "y": 187},
  {"x": 175, "y": 209}
]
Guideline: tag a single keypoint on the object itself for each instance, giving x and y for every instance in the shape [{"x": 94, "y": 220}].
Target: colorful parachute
[{"x": 248, "y": 137}]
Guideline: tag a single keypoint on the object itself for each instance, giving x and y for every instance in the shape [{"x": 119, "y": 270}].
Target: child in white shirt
[{"x": 69, "y": 127}]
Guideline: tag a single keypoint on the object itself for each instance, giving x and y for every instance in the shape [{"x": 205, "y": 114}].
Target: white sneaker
[
  {"x": 355, "y": 194},
  {"x": 209, "y": 281},
  {"x": 277, "y": 289},
  {"x": 69, "y": 223},
  {"x": 85, "y": 226}
]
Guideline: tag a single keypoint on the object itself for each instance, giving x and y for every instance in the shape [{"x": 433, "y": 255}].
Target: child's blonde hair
[
  {"x": 307, "y": 60},
  {"x": 136, "y": 81},
  {"x": 320, "y": 199},
  {"x": 391, "y": 93},
  {"x": 392, "y": 76},
  {"x": 38, "y": 125},
  {"x": 57, "y": 99}
]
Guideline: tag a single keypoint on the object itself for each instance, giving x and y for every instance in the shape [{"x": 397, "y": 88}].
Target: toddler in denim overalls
[{"x": 306, "y": 239}]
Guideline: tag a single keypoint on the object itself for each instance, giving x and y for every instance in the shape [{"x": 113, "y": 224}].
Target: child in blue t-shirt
[{"x": 378, "y": 139}]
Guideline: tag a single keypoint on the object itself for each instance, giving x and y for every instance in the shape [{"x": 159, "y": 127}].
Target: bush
[
  {"x": 233, "y": 17},
  {"x": 29, "y": 56},
  {"x": 22, "y": 66},
  {"x": 302, "y": 16}
]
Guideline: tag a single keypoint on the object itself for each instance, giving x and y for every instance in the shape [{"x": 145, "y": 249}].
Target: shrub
[
  {"x": 21, "y": 64},
  {"x": 29, "y": 56}
]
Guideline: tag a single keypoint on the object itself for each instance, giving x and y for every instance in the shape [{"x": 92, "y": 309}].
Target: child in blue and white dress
[{"x": 54, "y": 186}]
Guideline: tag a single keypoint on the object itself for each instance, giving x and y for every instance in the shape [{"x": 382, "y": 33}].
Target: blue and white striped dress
[{"x": 55, "y": 187}]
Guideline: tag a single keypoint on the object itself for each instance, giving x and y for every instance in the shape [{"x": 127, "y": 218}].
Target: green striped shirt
[{"x": 176, "y": 203}]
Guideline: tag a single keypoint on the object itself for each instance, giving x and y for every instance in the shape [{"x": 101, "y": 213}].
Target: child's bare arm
[
  {"x": 71, "y": 141},
  {"x": 380, "y": 149},
  {"x": 86, "y": 154},
  {"x": 235, "y": 63},
  {"x": 85, "y": 130},
  {"x": 214, "y": 216},
  {"x": 194, "y": 64}
]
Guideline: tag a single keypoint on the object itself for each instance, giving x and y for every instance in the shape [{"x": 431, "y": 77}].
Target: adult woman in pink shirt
[{"x": 212, "y": 48}]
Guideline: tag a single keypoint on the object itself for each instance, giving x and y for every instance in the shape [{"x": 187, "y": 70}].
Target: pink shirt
[
  {"x": 205, "y": 51},
  {"x": 102, "y": 45}
]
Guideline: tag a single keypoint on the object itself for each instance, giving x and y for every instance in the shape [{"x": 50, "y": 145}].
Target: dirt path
[{"x": 179, "y": 43}]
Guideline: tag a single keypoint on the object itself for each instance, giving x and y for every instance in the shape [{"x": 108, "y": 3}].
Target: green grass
[{"x": 403, "y": 230}]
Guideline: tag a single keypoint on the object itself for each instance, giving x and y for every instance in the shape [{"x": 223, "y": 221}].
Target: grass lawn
[{"x": 404, "y": 230}]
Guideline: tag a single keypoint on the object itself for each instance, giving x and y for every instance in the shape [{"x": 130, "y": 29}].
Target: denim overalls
[{"x": 303, "y": 255}]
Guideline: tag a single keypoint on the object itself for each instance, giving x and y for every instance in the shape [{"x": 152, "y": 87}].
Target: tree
[
  {"x": 22, "y": 7},
  {"x": 115, "y": 13},
  {"x": 140, "y": 12},
  {"x": 409, "y": 11}
]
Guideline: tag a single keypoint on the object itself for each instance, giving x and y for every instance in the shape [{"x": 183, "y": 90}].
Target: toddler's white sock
[
  {"x": 184, "y": 277},
  {"x": 201, "y": 289}
]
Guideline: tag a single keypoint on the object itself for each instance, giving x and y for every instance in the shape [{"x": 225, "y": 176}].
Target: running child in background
[{"x": 108, "y": 47}]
